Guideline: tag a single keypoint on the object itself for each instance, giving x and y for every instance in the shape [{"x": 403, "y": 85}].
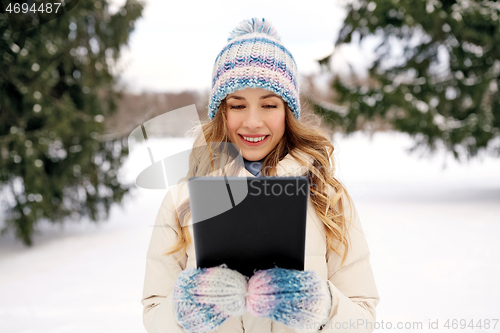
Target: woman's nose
[{"x": 253, "y": 119}]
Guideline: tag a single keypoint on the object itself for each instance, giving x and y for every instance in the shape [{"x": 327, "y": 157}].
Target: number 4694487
[
  {"x": 462, "y": 324},
  {"x": 24, "y": 8}
]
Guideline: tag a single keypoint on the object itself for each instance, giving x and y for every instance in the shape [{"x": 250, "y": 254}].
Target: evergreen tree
[
  {"x": 442, "y": 87},
  {"x": 57, "y": 87}
]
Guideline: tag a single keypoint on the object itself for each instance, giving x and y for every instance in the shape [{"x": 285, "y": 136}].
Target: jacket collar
[{"x": 288, "y": 166}]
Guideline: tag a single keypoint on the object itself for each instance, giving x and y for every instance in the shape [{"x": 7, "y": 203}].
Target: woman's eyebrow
[
  {"x": 235, "y": 97},
  {"x": 270, "y": 95}
]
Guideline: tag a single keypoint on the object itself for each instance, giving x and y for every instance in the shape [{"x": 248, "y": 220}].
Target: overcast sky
[{"x": 175, "y": 43}]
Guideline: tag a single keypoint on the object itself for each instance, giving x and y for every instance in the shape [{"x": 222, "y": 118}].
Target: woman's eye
[
  {"x": 270, "y": 106},
  {"x": 236, "y": 106}
]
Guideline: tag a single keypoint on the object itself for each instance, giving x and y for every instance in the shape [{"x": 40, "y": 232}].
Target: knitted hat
[{"x": 254, "y": 58}]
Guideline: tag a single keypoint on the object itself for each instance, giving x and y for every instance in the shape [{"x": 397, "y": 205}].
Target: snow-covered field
[{"x": 433, "y": 235}]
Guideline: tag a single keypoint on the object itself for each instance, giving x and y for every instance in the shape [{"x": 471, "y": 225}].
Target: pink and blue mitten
[
  {"x": 205, "y": 298},
  {"x": 297, "y": 299}
]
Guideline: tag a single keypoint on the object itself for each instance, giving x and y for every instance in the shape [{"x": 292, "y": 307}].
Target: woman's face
[{"x": 255, "y": 121}]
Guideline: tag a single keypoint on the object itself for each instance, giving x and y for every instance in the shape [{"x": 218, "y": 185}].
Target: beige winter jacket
[{"x": 352, "y": 285}]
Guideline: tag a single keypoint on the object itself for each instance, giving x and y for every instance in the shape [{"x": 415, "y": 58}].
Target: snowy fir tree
[
  {"x": 57, "y": 87},
  {"x": 434, "y": 74}
]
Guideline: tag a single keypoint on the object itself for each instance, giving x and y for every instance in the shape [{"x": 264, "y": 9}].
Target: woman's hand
[
  {"x": 298, "y": 299},
  {"x": 205, "y": 298}
]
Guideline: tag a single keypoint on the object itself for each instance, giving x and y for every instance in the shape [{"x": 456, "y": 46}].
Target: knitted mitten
[
  {"x": 298, "y": 299},
  {"x": 205, "y": 298}
]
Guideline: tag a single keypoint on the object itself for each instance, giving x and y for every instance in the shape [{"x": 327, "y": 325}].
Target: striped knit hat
[{"x": 254, "y": 58}]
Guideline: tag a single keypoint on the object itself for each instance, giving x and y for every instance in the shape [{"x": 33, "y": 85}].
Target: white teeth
[{"x": 254, "y": 139}]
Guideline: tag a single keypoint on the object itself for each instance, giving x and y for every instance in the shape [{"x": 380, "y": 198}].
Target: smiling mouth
[{"x": 253, "y": 139}]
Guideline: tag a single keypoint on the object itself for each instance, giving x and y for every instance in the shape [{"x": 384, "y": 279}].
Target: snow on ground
[{"x": 432, "y": 233}]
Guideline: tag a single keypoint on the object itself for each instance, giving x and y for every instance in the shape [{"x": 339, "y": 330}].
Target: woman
[{"x": 254, "y": 105}]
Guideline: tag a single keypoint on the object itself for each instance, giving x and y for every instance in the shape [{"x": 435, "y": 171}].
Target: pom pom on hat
[{"x": 254, "y": 25}]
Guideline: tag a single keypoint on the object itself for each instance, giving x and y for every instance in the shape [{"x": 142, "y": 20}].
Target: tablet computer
[{"x": 249, "y": 223}]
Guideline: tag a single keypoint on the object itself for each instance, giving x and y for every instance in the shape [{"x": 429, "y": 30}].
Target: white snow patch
[{"x": 432, "y": 234}]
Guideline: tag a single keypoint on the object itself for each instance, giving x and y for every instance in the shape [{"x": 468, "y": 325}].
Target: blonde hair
[{"x": 300, "y": 138}]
